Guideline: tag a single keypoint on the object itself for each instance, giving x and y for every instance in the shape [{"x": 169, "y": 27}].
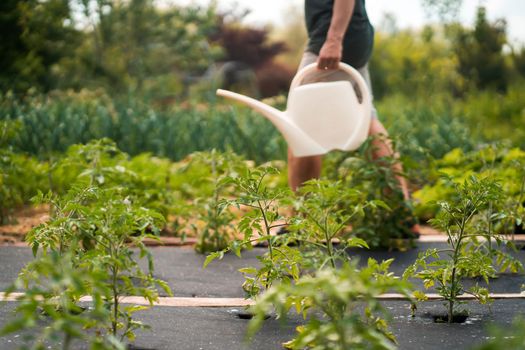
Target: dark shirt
[{"x": 359, "y": 37}]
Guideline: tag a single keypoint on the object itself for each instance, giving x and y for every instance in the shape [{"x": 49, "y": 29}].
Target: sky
[{"x": 272, "y": 11}]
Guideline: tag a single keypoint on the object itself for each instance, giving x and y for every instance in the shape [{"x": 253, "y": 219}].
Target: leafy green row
[{"x": 52, "y": 123}]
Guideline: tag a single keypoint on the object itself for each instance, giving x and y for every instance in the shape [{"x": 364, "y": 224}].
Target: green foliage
[
  {"x": 378, "y": 181},
  {"x": 93, "y": 227},
  {"x": 21, "y": 176},
  {"x": 262, "y": 202},
  {"x": 101, "y": 163},
  {"x": 214, "y": 227},
  {"x": 497, "y": 116},
  {"x": 113, "y": 221},
  {"x": 445, "y": 57},
  {"x": 409, "y": 62},
  {"x": 505, "y": 338},
  {"x": 518, "y": 59},
  {"x": 55, "y": 122},
  {"x": 498, "y": 161},
  {"x": 48, "y": 310},
  {"x": 137, "y": 46},
  {"x": 425, "y": 130},
  {"x": 324, "y": 210},
  {"x": 480, "y": 53},
  {"x": 120, "y": 46},
  {"x": 332, "y": 304},
  {"x": 279, "y": 262},
  {"x": 36, "y": 35},
  {"x": 466, "y": 255}
]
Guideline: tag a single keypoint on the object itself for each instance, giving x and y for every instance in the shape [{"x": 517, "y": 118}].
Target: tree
[
  {"x": 248, "y": 45},
  {"x": 412, "y": 62},
  {"x": 518, "y": 59},
  {"x": 252, "y": 48},
  {"x": 135, "y": 45},
  {"x": 36, "y": 35},
  {"x": 480, "y": 53},
  {"x": 446, "y": 10}
]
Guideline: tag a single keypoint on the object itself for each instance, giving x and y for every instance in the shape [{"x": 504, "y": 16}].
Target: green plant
[
  {"x": 497, "y": 160},
  {"x": 262, "y": 202},
  {"x": 505, "y": 338},
  {"x": 94, "y": 228},
  {"x": 216, "y": 222},
  {"x": 339, "y": 306},
  {"x": 21, "y": 176},
  {"x": 465, "y": 257},
  {"x": 378, "y": 180},
  {"x": 514, "y": 186},
  {"x": 425, "y": 130},
  {"x": 114, "y": 223},
  {"x": 324, "y": 210},
  {"x": 52, "y": 123},
  {"x": 48, "y": 313},
  {"x": 101, "y": 163}
]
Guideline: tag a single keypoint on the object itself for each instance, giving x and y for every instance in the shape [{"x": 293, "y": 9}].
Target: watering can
[{"x": 321, "y": 116}]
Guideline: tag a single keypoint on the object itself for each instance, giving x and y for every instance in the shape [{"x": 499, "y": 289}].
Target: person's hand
[{"x": 330, "y": 54}]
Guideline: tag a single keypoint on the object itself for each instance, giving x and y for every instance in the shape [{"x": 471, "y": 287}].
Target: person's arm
[{"x": 332, "y": 49}]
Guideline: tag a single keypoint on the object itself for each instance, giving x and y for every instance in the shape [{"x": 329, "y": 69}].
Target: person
[{"x": 340, "y": 31}]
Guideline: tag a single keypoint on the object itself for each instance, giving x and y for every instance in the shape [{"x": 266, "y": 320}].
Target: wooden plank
[
  {"x": 439, "y": 238},
  {"x": 239, "y": 302},
  {"x": 435, "y": 296},
  {"x": 169, "y": 242},
  {"x": 150, "y": 242}
]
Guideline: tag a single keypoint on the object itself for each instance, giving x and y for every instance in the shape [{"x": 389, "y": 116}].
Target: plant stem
[
  {"x": 453, "y": 282},
  {"x": 452, "y": 296},
  {"x": 267, "y": 232},
  {"x": 67, "y": 342},
  {"x": 329, "y": 246},
  {"x": 489, "y": 229},
  {"x": 520, "y": 202},
  {"x": 115, "y": 301}
]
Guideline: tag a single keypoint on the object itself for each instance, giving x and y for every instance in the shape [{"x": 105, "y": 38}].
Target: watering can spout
[
  {"x": 320, "y": 117},
  {"x": 300, "y": 143}
]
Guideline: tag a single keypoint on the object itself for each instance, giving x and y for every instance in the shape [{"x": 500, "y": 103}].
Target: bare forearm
[
  {"x": 341, "y": 15},
  {"x": 332, "y": 50}
]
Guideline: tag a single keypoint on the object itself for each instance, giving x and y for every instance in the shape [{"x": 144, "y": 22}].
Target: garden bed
[{"x": 184, "y": 327}]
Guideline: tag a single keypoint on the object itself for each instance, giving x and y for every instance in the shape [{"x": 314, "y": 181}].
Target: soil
[
  {"x": 219, "y": 328},
  {"x": 462, "y": 318},
  {"x": 28, "y": 217},
  {"x": 22, "y": 221}
]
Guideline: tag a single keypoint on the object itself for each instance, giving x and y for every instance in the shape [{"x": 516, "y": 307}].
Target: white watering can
[{"x": 319, "y": 117}]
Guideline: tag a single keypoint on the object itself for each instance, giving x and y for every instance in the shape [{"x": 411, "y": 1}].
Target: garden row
[
  {"x": 101, "y": 201},
  {"x": 425, "y": 128}
]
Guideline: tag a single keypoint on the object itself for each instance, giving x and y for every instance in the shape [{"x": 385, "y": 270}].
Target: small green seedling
[
  {"x": 387, "y": 226},
  {"x": 261, "y": 204},
  {"x": 465, "y": 258},
  {"x": 339, "y": 307},
  {"x": 48, "y": 313},
  {"x": 92, "y": 230},
  {"x": 324, "y": 210},
  {"x": 218, "y": 227}
]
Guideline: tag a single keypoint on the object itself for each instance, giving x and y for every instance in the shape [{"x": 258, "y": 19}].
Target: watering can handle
[{"x": 356, "y": 76}]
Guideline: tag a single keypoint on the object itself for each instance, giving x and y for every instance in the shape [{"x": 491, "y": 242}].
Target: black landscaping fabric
[
  {"x": 218, "y": 328},
  {"x": 183, "y": 269}
]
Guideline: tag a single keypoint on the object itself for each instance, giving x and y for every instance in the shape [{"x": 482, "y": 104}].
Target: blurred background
[{"x": 446, "y": 73}]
